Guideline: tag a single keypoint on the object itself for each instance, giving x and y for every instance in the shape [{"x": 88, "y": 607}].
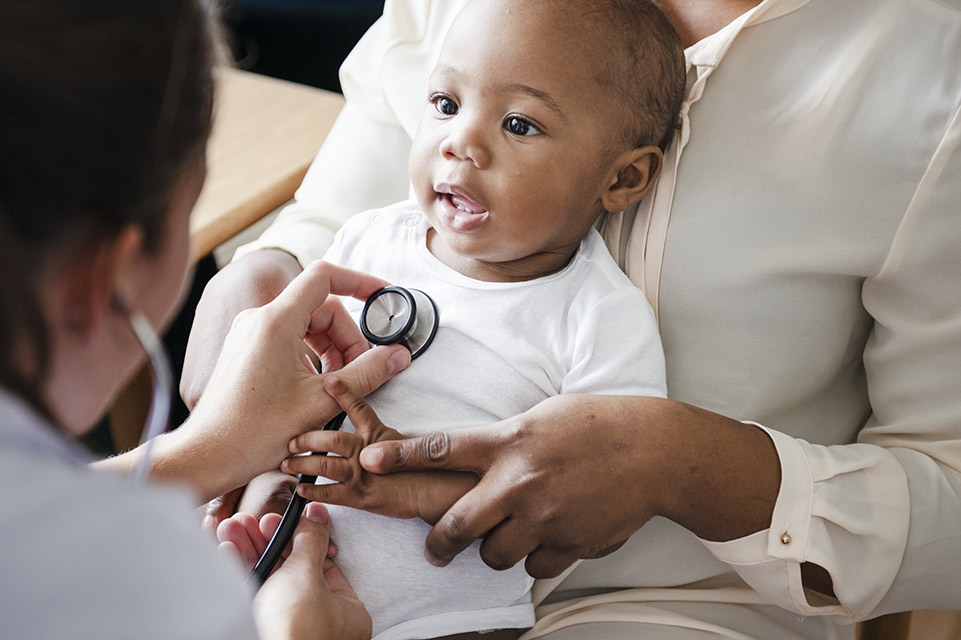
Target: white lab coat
[{"x": 86, "y": 554}]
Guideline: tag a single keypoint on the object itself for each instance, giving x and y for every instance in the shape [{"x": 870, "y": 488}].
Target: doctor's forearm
[{"x": 210, "y": 468}]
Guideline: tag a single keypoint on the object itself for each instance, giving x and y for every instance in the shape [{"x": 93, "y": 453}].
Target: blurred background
[{"x": 299, "y": 40}]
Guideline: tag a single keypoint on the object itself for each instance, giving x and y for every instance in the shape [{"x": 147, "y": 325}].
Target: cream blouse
[{"x": 803, "y": 253}]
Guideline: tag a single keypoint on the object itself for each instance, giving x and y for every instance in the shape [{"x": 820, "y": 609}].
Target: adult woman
[
  {"x": 106, "y": 111},
  {"x": 801, "y": 253}
]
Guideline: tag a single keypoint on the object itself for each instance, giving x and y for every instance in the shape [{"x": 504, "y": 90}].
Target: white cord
[{"x": 162, "y": 383}]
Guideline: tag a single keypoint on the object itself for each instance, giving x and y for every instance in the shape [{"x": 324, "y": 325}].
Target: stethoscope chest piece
[{"x": 395, "y": 315}]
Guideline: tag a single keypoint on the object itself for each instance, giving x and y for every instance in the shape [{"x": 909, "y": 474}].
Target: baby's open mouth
[
  {"x": 465, "y": 204},
  {"x": 461, "y": 213}
]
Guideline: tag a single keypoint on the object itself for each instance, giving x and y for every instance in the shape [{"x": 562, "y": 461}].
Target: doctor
[{"x": 106, "y": 108}]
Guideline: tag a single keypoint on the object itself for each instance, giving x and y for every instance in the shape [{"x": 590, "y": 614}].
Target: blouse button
[{"x": 785, "y": 538}]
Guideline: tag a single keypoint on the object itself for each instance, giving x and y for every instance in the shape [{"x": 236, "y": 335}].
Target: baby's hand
[
  {"x": 246, "y": 537},
  {"x": 425, "y": 495}
]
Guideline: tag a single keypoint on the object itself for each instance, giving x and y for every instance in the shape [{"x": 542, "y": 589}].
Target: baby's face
[{"x": 514, "y": 148}]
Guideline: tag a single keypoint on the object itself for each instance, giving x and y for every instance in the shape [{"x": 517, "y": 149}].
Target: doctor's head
[
  {"x": 106, "y": 112},
  {"x": 539, "y": 116}
]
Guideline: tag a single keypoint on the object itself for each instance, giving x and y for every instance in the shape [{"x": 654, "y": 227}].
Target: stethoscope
[{"x": 392, "y": 315}]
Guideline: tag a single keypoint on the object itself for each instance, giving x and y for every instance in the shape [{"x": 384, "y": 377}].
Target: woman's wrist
[{"x": 723, "y": 476}]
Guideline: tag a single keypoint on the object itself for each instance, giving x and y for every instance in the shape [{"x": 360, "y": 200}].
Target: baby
[{"x": 541, "y": 115}]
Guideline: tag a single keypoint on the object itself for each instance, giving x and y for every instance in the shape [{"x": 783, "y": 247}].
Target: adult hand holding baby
[{"x": 621, "y": 459}]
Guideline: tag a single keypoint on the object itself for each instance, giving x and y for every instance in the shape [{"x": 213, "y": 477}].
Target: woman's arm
[
  {"x": 624, "y": 459},
  {"x": 264, "y": 391}
]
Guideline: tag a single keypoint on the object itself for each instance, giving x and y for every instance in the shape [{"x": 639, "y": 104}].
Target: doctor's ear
[
  {"x": 94, "y": 280},
  {"x": 637, "y": 171}
]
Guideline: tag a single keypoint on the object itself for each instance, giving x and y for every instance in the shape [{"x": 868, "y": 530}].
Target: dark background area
[{"x": 299, "y": 40}]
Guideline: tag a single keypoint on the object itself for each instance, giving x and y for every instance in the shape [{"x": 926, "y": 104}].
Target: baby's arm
[{"x": 424, "y": 495}]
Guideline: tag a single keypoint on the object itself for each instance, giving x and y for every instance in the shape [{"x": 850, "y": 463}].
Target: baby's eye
[
  {"x": 521, "y": 127},
  {"x": 444, "y": 105}
]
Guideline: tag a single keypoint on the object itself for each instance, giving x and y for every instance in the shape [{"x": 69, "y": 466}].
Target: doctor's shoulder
[{"x": 90, "y": 555}]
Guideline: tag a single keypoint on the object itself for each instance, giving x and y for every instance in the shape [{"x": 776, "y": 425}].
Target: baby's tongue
[{"x": 466, "y": 204}]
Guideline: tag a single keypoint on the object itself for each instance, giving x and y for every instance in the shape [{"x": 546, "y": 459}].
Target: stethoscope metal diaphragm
[{"x": 395, "y": 315}]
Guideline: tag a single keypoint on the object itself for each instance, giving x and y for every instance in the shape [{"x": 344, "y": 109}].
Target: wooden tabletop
[{"x": 266, "y": 133}]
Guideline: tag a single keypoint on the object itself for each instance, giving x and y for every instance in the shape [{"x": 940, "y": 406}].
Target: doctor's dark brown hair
[{"x": 104, "y": 105}]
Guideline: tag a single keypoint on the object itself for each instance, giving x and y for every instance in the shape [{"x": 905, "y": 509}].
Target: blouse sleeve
[{"x": 883, "y": 516}]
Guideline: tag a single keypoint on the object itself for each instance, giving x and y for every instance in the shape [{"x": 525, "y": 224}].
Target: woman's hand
[
  {"x": 306, "y": 596},
  {"x": 576, "y": 475},
  {"x": 402, "y": 495}
]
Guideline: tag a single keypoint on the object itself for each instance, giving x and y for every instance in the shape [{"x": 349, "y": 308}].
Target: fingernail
[
  {"x": 317, "y": 513},
  {"x": 371, "y": 457},
  {"x": 398, "y": 361},
  {"x": 434, "y": 561}
]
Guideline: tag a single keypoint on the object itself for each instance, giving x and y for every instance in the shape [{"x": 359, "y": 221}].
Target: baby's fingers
[
  {"x": 241, "y": 532},
  {"x": 362, "y": 416},
  {"x": 341, "y": 443},
  {"x": 336, "y": 469}
]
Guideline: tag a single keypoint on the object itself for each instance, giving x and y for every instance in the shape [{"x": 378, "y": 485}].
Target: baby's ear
[{"x": 637, "y": 171}]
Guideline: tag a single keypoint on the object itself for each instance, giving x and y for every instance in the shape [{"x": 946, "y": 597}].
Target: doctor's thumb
[
  {"x": 311, "y": 539},
  {"x": 373, "y": 368}
]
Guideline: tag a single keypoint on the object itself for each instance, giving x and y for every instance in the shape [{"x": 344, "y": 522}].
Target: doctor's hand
[
  {"x": 577, "y": 475},
  {"x": 306, "y": 596},
  {"x": 264, "y": 391}
]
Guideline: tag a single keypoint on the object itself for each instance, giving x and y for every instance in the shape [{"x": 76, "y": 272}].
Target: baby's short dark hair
[{"x": 645, "y": 62}]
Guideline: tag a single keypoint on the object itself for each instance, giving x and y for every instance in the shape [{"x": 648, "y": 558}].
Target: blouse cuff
[{"x": 820, "y": 517}]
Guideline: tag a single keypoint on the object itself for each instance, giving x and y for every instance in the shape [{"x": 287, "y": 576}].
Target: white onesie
[{"x": 501, "y": 348}]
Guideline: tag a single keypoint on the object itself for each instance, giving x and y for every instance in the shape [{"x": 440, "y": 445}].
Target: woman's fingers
[
  {"x": 549, "y": 563},
  {"x": 471, "y": 449},
  {"x": 471, "y": 517}
]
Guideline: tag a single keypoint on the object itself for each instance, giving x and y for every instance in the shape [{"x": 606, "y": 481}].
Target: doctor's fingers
[
  {"x": 312, "y": 287},
  {"x": 372, "y": 369},
  {"x": 334, "y": 335},
  {"x": 478, "y": 512},
  {"x": 472, "y": 449}
]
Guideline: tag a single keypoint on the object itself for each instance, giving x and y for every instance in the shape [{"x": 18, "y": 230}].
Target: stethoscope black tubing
[{"x": 289, "y": 520}]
